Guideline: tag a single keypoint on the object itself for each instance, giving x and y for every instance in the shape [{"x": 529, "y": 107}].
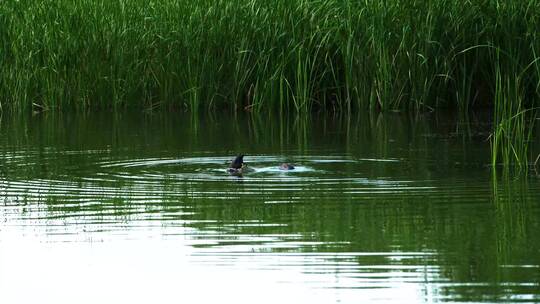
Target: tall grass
[
  {"x": 263, "y": 55},
  {"x": 513, "y": 124}
]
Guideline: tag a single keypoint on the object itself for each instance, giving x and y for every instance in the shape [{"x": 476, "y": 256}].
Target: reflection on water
[{"x": 382, "y": 209}]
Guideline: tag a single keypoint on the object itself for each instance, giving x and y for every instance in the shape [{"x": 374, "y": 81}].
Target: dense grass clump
[{"x": 277, "y": 55}]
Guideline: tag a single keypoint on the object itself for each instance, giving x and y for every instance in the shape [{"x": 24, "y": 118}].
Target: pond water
[{"x": 138, "y": 208}]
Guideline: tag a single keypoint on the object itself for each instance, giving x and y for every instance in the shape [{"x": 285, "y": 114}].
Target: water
[{"x": 136, "y": 208}]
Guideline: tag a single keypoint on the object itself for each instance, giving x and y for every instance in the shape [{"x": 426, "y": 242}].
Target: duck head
[{"x": 286, "y": 166}]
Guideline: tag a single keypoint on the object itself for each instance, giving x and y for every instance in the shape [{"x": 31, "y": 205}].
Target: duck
[
  {"x": 238, "y": 167},
  {"x": 286, "y": 166},
  {"x": 237, "y": 162}
]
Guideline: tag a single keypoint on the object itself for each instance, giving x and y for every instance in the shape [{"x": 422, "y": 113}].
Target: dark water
[{"x": 381, "y": 209}]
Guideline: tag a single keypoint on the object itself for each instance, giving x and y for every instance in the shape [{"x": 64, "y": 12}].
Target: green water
[{"x": 136, "y": 208}]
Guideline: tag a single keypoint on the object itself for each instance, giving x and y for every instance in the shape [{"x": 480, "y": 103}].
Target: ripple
[{"x": 206, "y": 177}]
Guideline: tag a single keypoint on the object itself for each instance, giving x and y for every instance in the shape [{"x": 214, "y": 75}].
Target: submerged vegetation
[{"x": 284, "y": 56}]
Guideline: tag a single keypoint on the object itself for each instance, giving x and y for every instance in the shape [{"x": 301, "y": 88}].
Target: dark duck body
[
  {"x": 237, "y": 166},
  {"x": 237, "y": 162}
]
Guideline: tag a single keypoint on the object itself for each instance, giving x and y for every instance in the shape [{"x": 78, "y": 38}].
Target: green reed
[
  {"x": 514, "y": 117},
  {"x": 259, "y": 55}
]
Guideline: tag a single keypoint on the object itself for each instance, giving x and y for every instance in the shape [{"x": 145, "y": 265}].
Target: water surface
[{"x": 137, "y": 208}]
